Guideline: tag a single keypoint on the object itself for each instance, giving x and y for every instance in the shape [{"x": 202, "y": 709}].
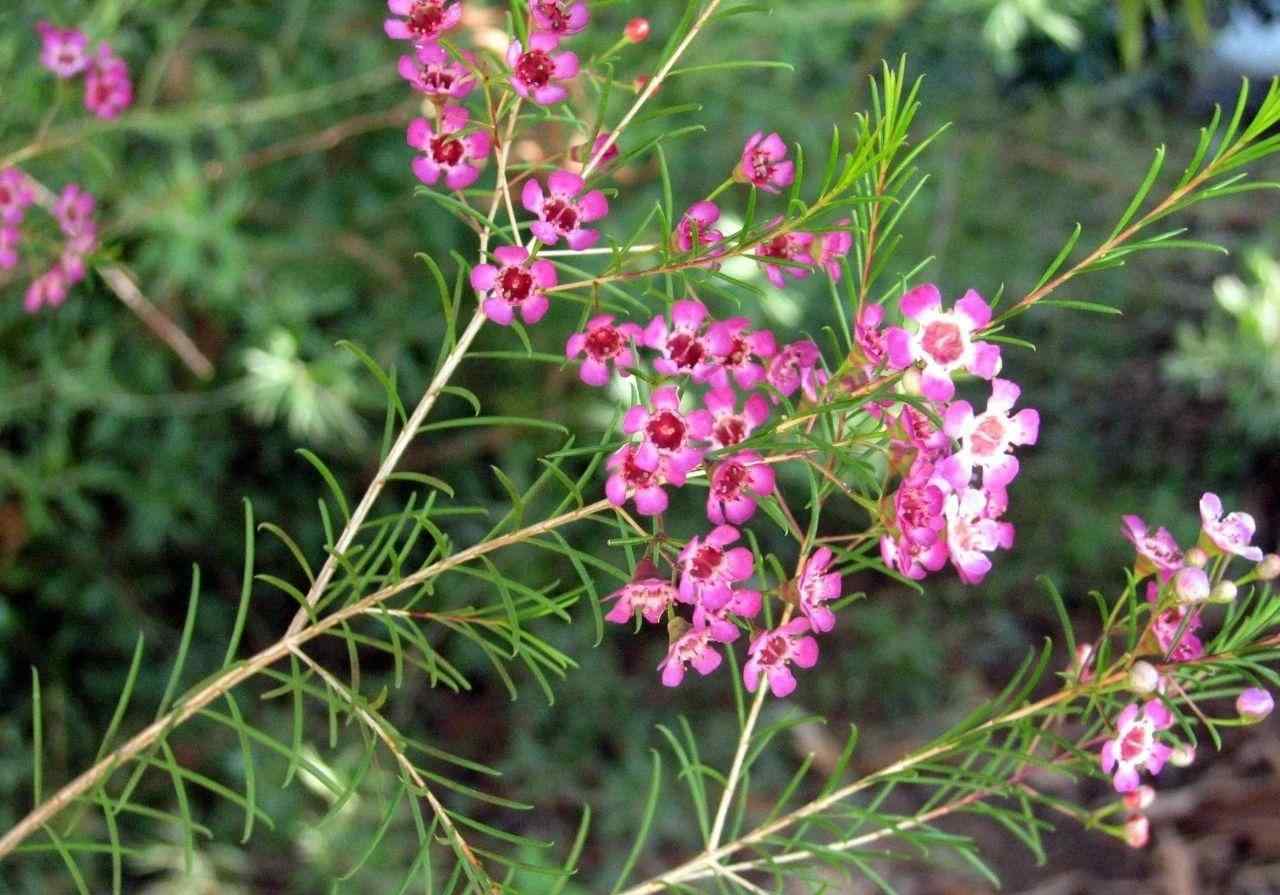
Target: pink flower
[
  {"x": 730, "y": 426},
  {"x": 736, "y": 483},
  {"x": 563, "y": 17},
  {"x": 10, "y": 236},
  {"x": 15, "y": 195},
  {"x": 598, "y": 144},
  {"x": 943, "y": 340},
  {"x": 74, "y": 212},
  {"x": 533, "y": 71},
  {"x": 764, "y": 163},
  {"x": 561, "y": 212},
  {"x": 108, "y": 89},
  {"x": 973, "y": 532},
  {"x": 421, "y": 21},
  {"x": 603, "y": 343},
  {"x": 914, "y": 436},
  {"x": 743, "y": 604},
  {"x": 1226, "y": 534},
  {"x": 458, "y": 158},
  {"x": 50, "y": 288},
  {"x": 708, "y": 571},
  {"x": 816, "y": 587},
  {"x": 1254, "y": 704},
  {"x": 684, "y": 344},
  {"x": 797, "y": 367},
  {"x": 695, "y": 647},
  {"x": 920, "y": 545},
  {"x": 1157, "y": 552},
  {"x": 772, "y": 651},
  {"x": 1174, "y": 629},
  {"x": 515, "y": 285},
  {"x": 987, "y": 439},
  {"x": 641, "y": 476},
  {"x": 737, "y": 345},
  {"x": 1135, "y": 746},
  {"x": 436, "y": 74},
  {"x": 829, "y": 248},
  {"x": 63, "y": 51},
  {"x": 647, "y": 593},
  {"x": 795, "y": 247},
  {"x": 913, "y": 559},
  {"x": 668, "y": 433},
  {"x": 697, "y": 228},
  {"x": 869, "y": 337}
]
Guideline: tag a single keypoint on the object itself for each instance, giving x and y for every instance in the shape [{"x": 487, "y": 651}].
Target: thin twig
[{"x": 122, "y": 284}]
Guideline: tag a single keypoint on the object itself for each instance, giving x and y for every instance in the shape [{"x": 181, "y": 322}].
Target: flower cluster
[
  {"x": 73, "y": 210},
  {"x": 108, "y": 89}
]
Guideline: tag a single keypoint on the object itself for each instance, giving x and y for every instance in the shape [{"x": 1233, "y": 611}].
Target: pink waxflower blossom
[
  {"x": 449, "y": 154},
  {"x": 604, "y": 343},
  {"x": 421, "y": 21},
  {"x": 685, "y": 344},
  {"x": 1226, "y": 534},
  {"x": 108, "y": 89},
  {"x": 647, "y": 593},
  {"x": 743, "y": 604},
  {"x": 731, "y": 427},
  {"x": 741, "y": 352},
  {"x": 919, "y": 546},
  {"x": 796, "y": 246},
  {"x": 1157, "y": 551},
  {"x": 697, "y": 227},
  {"x": 764, "y": 163},
  {"x": 1135, "y": 747},
  {"x": 562, "y": 17},
  {"x": 15, "y": 196},
  {"x": 987, "y": 439},
  {"x": 10, "y": 236},
  {"x": 562, "y": 212},
  {"x": 431, "y": 70},
  {"x": 74, "y": 211},
  {"x": 640, "y": 476},
  {"x": 666, "y": 432},
  {"x": 943, "y": 340},
  {"x": 829, "y": 248},
  {"x": 772, "y": 651},
  {"x": 535, "y": 71},
  {"x": 1175, "y": 629},
  {"x": 697, "y": 647},
  {"x": 63, "y": 51},
  {"x": 1254, "y": 704},
  {"x": 973, "y": 531},
  {"x": 736, "y": 484},
  {"x": 816, "y": 587},
  {"x": 797, "y": 366},
  {"x": 914, "y": 436},
  {"x": 708, "y": 570},
  {"x": 48, "y": 289},
  {"x": 869, "y": 337},
  {"x": 513, "y": 284}
]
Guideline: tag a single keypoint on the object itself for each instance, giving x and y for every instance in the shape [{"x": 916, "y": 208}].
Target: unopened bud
[
  {"x": 1196, "y": 557},
  {"x": 1183, "y": 756},
  {"x": 1080, "y": 665},
  {"x": 1137, "y": 831},
  {"x": 1254, "y": 705},
  {"x": 637, "y": 30},
  {"x": 1143, "y": 678},
  {"x": 1191, "y": 585},
  {"x": 1223, "y": 592},
  {"x": 1140, "y": 799},
  {"x": 911, "y": 381},
  {"x": 1269, "y": 568}
]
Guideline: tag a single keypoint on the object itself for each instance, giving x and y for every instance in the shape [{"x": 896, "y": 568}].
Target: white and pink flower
[
  {"x": 63, "y": 51},
  {"x": 1157, "y": 551},
  {"x": 1135, "y": 746},
  {"x": 943, "y": 340},
  {"x": 817, "y": 587},
  {"x": 562, "y": 211},
  {"x": 987, "y": 439},
  {"x": 1232, "y": 533},
  {"x": 973, "y": 531}
]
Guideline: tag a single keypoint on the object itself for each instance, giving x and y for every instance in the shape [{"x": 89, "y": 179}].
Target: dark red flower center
[
  {"x": 988, "y": 437},
  {"x": 774, "y": 650},
  {"x": 666, "y": 430},
  {"x": 561, "y": 214},
  {"x": 730, "y": 430},
  {"x": 437, "y": 79},
  {"x": 554, "y": 13},
  {"x": 943, "y": 341},
  {"x": 685, "y": 349},
  {"x": 535, "y": 68},
  {"x": 6, "y": 196},
  {"x": 515, "y": 284},
  {"x": 778, "y": 247},
  {"x": 604, "y": 342},
  {"x": 706, "y": 561},
  {"x": 426, "y": 18},
  {"x": 447, "y": 151},
  {"x": 729, "y": 479},
  {"x": 633, "y": 475},
  {"x": 761, "y": 166},
  {"x": 738, "y": 353}
]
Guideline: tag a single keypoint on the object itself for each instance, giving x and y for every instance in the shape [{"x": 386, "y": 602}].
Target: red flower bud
[{"x": 637, "y": 30}]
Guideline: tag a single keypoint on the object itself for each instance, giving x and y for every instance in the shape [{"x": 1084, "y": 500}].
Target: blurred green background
[{"x": 260, "y": 194}]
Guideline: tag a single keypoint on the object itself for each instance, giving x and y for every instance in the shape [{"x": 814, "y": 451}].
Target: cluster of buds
[
  {"x": 108, "y": 89},
  {"x": 73, "y": 211}
]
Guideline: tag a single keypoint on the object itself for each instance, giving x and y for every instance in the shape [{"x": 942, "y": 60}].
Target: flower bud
[
  {"x": 637, "y": 30},
  {"x": 1269, "y": 568},
  {"x": 1140, "y": 799},
  {"x": 1182, "y": 756},
  {"x": 1137, "y": 831},
  {"x": 1196, "y": 557},
  {"x": 911, "y": 381},
  {"x": 1223, "y": 592},
  {"x": 1143, "y": 678},
  {"x": 1080, "y": 665},
  {"x": 1191, "y": 585},
  {"x": 1254, "y": 705}
]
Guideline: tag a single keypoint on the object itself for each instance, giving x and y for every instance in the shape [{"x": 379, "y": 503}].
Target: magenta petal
[
  {"x": 751, "y": 676},
  {"x": 957, "y": 419},
  {"x": 1126, "y": 779},
  {"x": 615, "y": 488},
  {"x": 806, "y": 652},
  {"x": 582, "y": 239},
  {"x": 566, "y": 66},
  {"x": 593, "y": 206},
  {"x": 651, "y": 501},
  {"x": 544, "y": 273},
  {"x": 634, "y": 419},
  {"x": 461, "y": 177},
  {"x": 419, "y": 133},
  {"x": 986, "y": 360},
  {"x": 534, "y": 308},
  {"x": 544, "y": 41},
  {"x": 531, "y": 196},
  {"x": 1108, "y": 756},
  {"x": 594, "y": 372},
  {"x": 396, "y": 29},
  {"x": 782, "y": 682},
  {"x": 545, "y": 232},
  {"x": 672, "y": 674},
  {"x": 920, "y": 299},
  {"x": 483, "y": 276},
  {"x": 898, "y": 342},
  {"x": 498, "y": 311},
  {"x": 573, "y": 347},
  {"x": 1027, "y": 424},
  {"x": 972, "y": 306},
  {"x": 936, "y": 386},
  {"x": 511, "y": 256},
  {"x": 549, "y": 95},
  {"x": 425, "y": 169},
  {"x": 564, "y": 183}
]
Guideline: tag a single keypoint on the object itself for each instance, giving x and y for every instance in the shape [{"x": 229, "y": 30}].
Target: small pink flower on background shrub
[
  {"x": 737, "y": 483},
  {"x": 63, "y": 51},
  {"x": 943, "y": 341},
  {"x": 562, "y": 211},
  {"x": 604, "y": 343},
  {"x": 513, "y": 285},
  {"x": 108, "y": 89},
  {"x": 765, "y": 164},
  {"x": 562, "y": 17},
  {"x": 773, "y": 652},
  {"x": 1254, "y": 705},
  {"x": 431, "y": 70},
  {"x": 708, "y": 571},
  {"x": 697, "y": 647},
  {"x": 1157, "y": 551},
  {"x": 422, "y": 21},
  {"x": 1135, "y": 746},
  {"x": 647, "y": 594},
  {"x": 1232, "y": 533},
  {"x": 449, "y": 153},
  {"x": 538, "y": 73}
]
